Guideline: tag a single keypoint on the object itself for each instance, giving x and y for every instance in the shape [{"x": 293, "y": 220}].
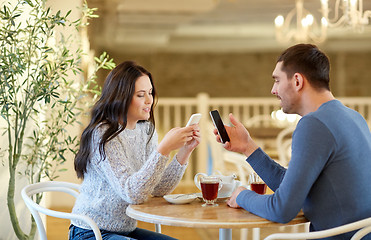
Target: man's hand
[
  {"x": 232, "y": 200},
  {"x": 240, "y": 140}
]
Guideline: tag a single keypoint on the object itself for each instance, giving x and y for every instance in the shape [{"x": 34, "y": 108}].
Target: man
[{"x": 329, "y": 171}]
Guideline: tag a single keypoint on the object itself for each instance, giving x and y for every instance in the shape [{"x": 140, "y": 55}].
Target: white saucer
[{"x": 180, "y": 198}]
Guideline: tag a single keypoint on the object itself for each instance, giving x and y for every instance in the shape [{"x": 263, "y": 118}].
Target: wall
[{"x": 245, "y": 74}]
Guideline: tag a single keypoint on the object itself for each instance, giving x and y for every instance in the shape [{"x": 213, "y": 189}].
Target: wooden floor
[{"x": 57, "y": 229}]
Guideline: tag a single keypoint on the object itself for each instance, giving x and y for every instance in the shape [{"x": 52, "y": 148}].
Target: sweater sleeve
[
  {"x": 312, "y": 146},
  {"x": 170, "y": 179},
  {"x": 172, "y": 174},
  {"x": 132, "y": 179}
]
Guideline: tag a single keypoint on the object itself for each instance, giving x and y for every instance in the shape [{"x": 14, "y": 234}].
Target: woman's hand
[
  {"x": 176, "y": 138},
  {"x": 185, "y": 151},
  {"x": 192, "y": 144}
]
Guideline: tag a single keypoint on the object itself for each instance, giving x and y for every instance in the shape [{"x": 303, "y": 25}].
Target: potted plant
[{"x": 42, "y": 87}]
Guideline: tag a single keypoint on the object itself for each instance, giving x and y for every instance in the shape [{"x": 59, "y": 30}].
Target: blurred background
[
  {"x": 220, "y": 54},
  {"x": 226, "y": 48}
]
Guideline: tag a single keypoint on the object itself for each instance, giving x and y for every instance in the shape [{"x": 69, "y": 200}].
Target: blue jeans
[{"x": 77, "y": 233}]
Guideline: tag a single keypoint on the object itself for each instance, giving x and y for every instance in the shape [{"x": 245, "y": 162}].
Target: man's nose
[{"x": 273, "y": 90}]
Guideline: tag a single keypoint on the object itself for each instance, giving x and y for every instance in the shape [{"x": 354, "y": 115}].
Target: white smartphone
[
  {"x": 219, "y": 125},
  {"x": 194, "y": 119}
]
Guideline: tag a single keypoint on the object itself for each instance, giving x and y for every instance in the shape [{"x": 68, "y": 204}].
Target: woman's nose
[{"x": 149, "y": 99}]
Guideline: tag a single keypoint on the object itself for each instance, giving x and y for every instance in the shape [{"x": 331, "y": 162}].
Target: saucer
[{"x": 180, "y": 198}]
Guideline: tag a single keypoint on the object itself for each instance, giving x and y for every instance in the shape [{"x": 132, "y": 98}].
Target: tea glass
[
  {"x": 257, "y": 184},
  {"x": 229, "y": 183},
  {"x": 210, "y": 185}
]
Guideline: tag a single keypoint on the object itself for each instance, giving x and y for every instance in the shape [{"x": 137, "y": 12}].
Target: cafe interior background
[{"x": 218, "y": 49}]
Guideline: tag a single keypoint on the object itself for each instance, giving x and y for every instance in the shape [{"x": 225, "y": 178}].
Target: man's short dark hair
[{"x": 308, "y": 60}]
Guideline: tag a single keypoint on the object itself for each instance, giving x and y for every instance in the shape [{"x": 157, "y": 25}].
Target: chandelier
[
  {"x": 346, "y": 13},
  {"x": 352, "y": 14}
]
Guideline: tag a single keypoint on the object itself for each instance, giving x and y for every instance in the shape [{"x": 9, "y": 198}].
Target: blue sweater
[{"x": 328, "y": 175}]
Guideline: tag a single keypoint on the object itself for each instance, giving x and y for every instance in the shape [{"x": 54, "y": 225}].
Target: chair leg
[
  {"x": 158, "y": 228},
  {"x": 244, "y": 232},
  {"x": 256, "y": 234},
  {"x": 225, "y": 233}
]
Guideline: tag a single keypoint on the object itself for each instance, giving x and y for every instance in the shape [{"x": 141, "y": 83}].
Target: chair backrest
[
  {"x": 29, "y": 191},
  {"x": 363, "y": 227},
  {"x": 216, "y": 149},
  {"x": 260, "y": 121},
  {"x": 225, "y": 161},
  {"x": 240, "y": 165},
  {"x": 283, "y": 142}
]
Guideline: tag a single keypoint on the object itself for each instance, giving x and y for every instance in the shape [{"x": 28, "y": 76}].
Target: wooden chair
[{"x": 29, "y": 191}]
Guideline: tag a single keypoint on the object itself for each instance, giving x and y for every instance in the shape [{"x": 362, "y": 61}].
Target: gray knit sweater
[{"x": 132, "y": 171}]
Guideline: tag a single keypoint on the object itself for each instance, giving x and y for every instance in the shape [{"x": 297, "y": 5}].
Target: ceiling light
[
  {"x": 346, "y": 13},
  {"x": 307, "y": 28}
]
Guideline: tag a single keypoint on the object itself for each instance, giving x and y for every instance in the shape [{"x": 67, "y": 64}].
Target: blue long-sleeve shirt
[{"x": 328, "y": 175}]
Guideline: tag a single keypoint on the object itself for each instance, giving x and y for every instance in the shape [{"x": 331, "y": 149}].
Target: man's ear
[{"x": 298, "y": 81}]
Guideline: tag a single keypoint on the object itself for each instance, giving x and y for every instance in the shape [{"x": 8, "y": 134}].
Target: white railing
[{"x": 172, "y": 112}]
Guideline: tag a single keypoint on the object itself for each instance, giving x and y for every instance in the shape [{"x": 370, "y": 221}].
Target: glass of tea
[
  {"x": 257, "y": 184},
  {"x": 210, "y": 185}
]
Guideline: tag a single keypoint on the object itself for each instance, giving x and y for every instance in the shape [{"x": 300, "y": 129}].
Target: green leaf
[
  {"x": 29, "y": 2},
  {"x": 34, "y": 78}
]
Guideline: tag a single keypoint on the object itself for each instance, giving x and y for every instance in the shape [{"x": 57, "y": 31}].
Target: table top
[{"x": 157, "y": 210}]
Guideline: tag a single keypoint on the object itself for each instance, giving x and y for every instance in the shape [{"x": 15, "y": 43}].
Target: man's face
[{"x": 284, "y": 90}]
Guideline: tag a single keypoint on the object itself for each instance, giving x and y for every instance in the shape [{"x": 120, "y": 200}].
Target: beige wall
[{"x": 240, "y": 74}]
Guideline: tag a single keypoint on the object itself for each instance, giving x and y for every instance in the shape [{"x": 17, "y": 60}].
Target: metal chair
[
  {"x": 54, "y": 186},
  {"x": 363, "y": 227}
]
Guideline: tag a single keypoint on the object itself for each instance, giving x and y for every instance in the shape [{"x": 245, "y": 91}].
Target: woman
[{"x": 120, "y": 160}]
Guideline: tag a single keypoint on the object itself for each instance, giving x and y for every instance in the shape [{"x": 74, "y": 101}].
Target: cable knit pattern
[{"x": 132, "y": 171}]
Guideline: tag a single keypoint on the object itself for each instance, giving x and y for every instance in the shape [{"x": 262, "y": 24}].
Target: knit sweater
[
  {"x": 132, "y": 171},
  {"x": 328, "y": 175}
]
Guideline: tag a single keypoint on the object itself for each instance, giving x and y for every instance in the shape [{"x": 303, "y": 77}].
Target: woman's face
[{"x": 140, "y": 106}]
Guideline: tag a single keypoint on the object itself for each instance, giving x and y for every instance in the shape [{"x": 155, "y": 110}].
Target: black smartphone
[{"x": 219, "y": 125}]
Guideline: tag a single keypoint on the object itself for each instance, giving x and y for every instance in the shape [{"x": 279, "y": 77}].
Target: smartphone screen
[{"x": 219, "y": 125}]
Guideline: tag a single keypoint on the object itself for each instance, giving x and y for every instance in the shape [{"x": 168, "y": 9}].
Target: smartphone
[
  {"x": 194, "y": 119},
  {"x": 219, "y": 125}
]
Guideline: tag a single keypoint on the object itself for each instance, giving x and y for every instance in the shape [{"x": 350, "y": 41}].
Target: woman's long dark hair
[{"x": 111, "y": 109}]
